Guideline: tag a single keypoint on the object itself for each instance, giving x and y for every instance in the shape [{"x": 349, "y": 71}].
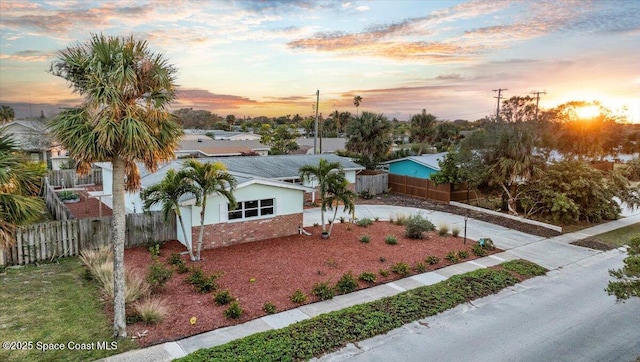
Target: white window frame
[{"x": 242, "y": 209}]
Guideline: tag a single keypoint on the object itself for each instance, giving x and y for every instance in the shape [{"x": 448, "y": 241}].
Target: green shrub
[
  {"x": 223, "y": 297},
  {"x": 367, "y": 277},
  {"x": 384, "y": 273},
  {"x": 463, "y": 254},
  {"x": 346, "y": 284},
  {"x": 401, "y": 268},
  {"x": 391, "y": 239},
  {"x": 417, "y": 225},
  {"x": 151, "y": 310},
  {"x": 432, "y": 260},
  {"x": 269, "y": 308},
  {"x": 452, "y": 257},
  {"x": 67, "y": 195},
  {"x": 155, "y": 251},
  {"x": 402, "y": 219},
  {"x": 364, "y": 222},
  {"x": 524, "y": 268},
  {"x": 365, "y": 239},
  {"x": 323, "y": 291},
  {"x": 455, "y": 231},
  {"x": 158, "y": 274},
  {"x": 234, "y": 311},
  {"x": 201, "y": 282},
  {"x": 175, "y": 259},
  {"x": 478, "y": 250},
  {"x": 298, "y": 297},
  {"x": 420, "y": 267},
  {"x": 443, "y": 229}
]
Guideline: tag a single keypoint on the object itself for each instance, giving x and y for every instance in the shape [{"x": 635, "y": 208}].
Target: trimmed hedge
[{"x": 328, "y": 332}]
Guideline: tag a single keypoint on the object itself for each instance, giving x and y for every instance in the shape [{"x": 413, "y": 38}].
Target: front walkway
[{"x": 552, "y": 253}]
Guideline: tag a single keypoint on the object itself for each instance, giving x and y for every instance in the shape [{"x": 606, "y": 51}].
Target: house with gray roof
[
  {"x": 31, "y": 136},
  {"x": 416, "y": 166}
]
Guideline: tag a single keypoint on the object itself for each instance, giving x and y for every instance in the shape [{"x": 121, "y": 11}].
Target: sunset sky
[{"x": 252, "y": 58}]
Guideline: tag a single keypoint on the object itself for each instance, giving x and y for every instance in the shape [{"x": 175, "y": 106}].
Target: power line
[
  {"x": 538, "y": 100},
  {"x": 499, "y": 90}
]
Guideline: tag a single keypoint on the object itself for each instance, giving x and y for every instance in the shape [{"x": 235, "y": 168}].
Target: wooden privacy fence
[
  {"x": 70, "y": 178},
  {"x": 50, "y": 240},
  {"x": 54, "y": 205},
  {"x": 373, "y": 182},
  {"x": 427, "y": 189}
]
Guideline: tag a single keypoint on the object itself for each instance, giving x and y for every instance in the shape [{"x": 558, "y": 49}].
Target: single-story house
[
  {"x": 416, "y": 166},
  {"x": 31, "y": 136},
  {"x": 269, "y": 193},
  {"x": 204, "y": 146}
]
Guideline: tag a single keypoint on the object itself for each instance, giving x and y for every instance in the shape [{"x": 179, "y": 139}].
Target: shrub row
[{"x": 331, "y": 331}]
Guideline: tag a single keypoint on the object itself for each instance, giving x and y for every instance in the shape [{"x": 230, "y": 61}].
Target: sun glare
[{"x": 587, "y": 112}]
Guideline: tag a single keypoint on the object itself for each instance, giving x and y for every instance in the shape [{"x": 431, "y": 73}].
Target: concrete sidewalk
[{"x": 552, "y": 253}]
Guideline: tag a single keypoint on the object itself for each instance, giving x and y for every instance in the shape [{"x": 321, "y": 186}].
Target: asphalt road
[{"x": 564, "y": 316}]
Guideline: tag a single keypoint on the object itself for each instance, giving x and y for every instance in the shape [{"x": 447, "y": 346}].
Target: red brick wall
[{"x": 225, "y": 234}]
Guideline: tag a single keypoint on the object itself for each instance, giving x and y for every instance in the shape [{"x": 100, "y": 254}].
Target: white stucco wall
[{"x": 287, "y": 201}]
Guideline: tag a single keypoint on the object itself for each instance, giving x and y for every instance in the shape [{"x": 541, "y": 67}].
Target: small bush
[
  {"x": 432, "y": 260},
  {"x": 463, "y": 254},
  {"x": 269, "y": 308},
  {"x": 365, "y": 239},
  {"x": 201, "y": 282},
  {"x": 420, "y": 267},
  {"x": 479, "y": 251},
  {"x": 452, "y": 257},
  {"x": 151, "y": 310},
  {"x": 364, "y": 222},
  {"x": 158, "y": 274},
  {"x": 400, "y": 268},
  {"x": 67, "y": 195},
  {"x": 155, "y": 251},
  {"x": 223, "y": 297},
  {"x": 402, "y": 219},
  {"x": 367, "y": 277},
  {"x": 366, "y": 194},
  {"x": 323, "y": 291},
  {"x": 417, "y": 225},
  {"x": 298, "y": 297},
  {"x": 443, "y": 229},
  {"x": 455, "y": 231},
  {"x": 391, "y": 239},
  {"x": 234, "y": 311},
  {"x": 347, "y": 283},
  {"x": 175, "y": 259},
  {"x": 384, "y": 273}
]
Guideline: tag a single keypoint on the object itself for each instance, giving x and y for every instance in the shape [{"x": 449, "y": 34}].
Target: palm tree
[
  {"x": 356, "y": 102},
  {"x": 209, "y": 179},
  {"x": 423, "y": 128},
  {"x": 7, "y": 114},
  {"x": 168, "y": 193},
  {"x": 20, "y": 181},
  {"x": 339, "y": 193},
  {"x": 370, "y": 136},
  {"x": 124, "y": 119},
  {"x": 320, "y": 175}
]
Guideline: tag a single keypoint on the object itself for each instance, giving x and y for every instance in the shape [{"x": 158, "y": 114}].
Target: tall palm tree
[
  {"x": 356, "y": 102},
  {"x": 20, "y": 181},
  {"x": 7, "y": 114},
  {"x": 423, "y": 128},
  {"x": 209, "y": 179},
  {"x": 124, "y": 119},
  {"x": 370, "y": 136},
  {"x": 320, "y": 176},
  {"x": 167, "y": 193},
  {"x": 339, "y": 193}
]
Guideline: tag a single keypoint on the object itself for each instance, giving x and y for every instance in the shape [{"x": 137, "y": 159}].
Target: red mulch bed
[
  {"x": 88, "y": 206},
  {"x": 279, "y": 267}
]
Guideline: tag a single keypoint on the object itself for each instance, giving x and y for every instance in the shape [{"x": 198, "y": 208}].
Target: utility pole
[
  {"x": 499, "y": 90},
  {"x": 538, "y": 100},
  {"x": 315, "y": 133}
]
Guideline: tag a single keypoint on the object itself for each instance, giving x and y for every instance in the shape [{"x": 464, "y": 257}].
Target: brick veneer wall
[{"x": 225, "y": 234}]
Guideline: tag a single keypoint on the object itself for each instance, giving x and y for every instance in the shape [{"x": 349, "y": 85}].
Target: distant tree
[
  {"x": 309, "y": 125},
  {"x": 321, "y": 176},
  {"x": 369, "y": 136},
  {"x": 446, "y": 135},
  {"x": 167, "y": 193},
  {"x": 423, "y": 129},
  {"x": 198, "y": 119},
  {"x": 222, "y": 126},
  {"x": 628, "y": 283},
  {"x": 281, "y": 139},
  {"x": 124, "y": 119},
  {"x": 356, "y": 102},
  {"x": 209, "y": 179},
  {"x": 518, "y": 109},
  {"x": 7, "y": 114},
  {"x": 231, "y": 120}
]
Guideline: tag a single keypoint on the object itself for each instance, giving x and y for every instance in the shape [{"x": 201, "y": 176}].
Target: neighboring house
[
  {"x": 329, "y": 145},
  {"x": 224, "y": 135},
  {"x": 269, "y": 194},
  {"x": 32, "y": 138},
  {"x": 204, "y": 146},
  {"x": 416, "y": 166}
]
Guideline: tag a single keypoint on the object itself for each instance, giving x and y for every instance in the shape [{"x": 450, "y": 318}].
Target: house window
[{"x": 251, "y": 209}]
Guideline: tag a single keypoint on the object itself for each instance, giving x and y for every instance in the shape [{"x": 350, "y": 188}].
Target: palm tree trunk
[
  {"x": 201, "y": 233},
  {"x": 118, "y": 225},
  {"x": 184, "y": 232},
  {"x": 335, "y": 213}
]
